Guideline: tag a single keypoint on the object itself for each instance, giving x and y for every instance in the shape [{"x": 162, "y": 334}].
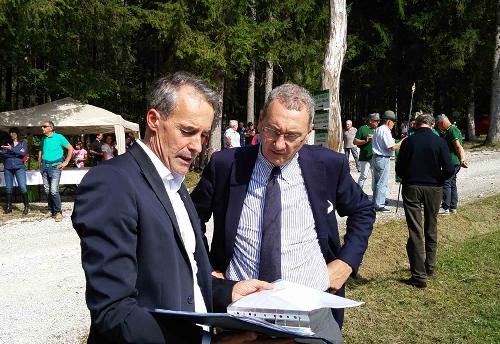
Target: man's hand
[
  {"x": 62, "y": 165},
  {"x": 338, "y": 272},
  {"x": 247, "y": 337},
  {"x": 464, "y": 163},
  {"x": 218, "y": 274},
  {"x": 247, "y": 287}
]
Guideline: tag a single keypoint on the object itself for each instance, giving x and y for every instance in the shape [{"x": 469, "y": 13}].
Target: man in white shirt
[
  {"x": 232, "y": 136},
  {"x": 142, "y": 247},
  {"x": 383, "y": 145}
]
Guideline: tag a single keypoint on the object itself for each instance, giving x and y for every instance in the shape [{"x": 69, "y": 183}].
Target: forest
[{"x": 107, "y": 52}]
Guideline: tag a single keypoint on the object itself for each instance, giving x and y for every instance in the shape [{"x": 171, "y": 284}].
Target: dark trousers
[
  {"x": 422, "y": 241},
  {"x": 450, "y": 194}
]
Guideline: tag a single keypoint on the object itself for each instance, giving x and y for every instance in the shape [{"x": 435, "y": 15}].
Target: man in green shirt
[
  {"x": 363, "y": 141},
  {"x": 52, "y": 162},
  {"x": 453, "y": 138}
]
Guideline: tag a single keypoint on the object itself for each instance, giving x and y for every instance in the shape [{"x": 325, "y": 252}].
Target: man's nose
[
  {"x": 280, "y": 142},
  {"x": 195, "y": 144}
]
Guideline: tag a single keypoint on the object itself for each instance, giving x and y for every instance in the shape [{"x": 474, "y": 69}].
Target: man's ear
[{"x": 153, "y": 120}]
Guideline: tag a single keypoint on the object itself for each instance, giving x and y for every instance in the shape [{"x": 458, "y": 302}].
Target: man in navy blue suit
[
  {"x": 141, "y": 243},
  {"x": 294, "y": 236}
]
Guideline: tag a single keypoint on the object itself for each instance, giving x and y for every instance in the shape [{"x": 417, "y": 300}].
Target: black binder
[{"x": 230, "y": 322}]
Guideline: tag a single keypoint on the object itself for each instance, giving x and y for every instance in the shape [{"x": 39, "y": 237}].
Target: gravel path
[{"x": 42, "y": 285}]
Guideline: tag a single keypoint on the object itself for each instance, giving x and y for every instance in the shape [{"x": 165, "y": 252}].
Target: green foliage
[{"x": 108, "y": 51}]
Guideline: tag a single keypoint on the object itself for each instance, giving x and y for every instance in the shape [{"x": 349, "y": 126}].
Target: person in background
[
  {"x": 249, "y": 134},
  {"x": 79, "y": 155},
  {"x": 95, "y": 150},
  {"x": 423, "y": 165},
  {"x": 349, "y": 146},
  {"x": 129, "y": 141},
  {"x": 14, "y": 153},
  {"x": 453, "y": 138},
  {"x": 231, "y": 135},
  {"x": 108, "y": 149},
  {"x": 363, "y": 140},
  {"x": 52, "y": 162},
  {"x": 383, "y": 146},
  {"x": 241, "y": 131}
]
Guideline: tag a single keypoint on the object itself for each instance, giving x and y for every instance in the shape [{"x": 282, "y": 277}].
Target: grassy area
[
  {"x": 480, "y": 145},
  {"x": 460, "y": 305},
  {"x": 191, "y": 180}
]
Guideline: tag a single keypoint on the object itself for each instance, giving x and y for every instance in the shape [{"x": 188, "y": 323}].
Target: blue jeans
[
  {"x": 51, "y": 176},
  {"x": 20, "y": 175},
  {"x": 450, "y": 194},
  {"x": 380, "y": 170}
]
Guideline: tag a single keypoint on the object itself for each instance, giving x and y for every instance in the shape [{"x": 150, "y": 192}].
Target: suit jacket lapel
[
  {"x": 241, "y": 172},
  {"x": 315, "y": 180},
  {"x": 200, "y": 254},
  {"x": 151, "y": 175}
]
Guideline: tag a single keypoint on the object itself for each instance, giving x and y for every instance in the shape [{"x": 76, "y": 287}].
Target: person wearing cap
[
  {"x": 383, "y": 146},
  {"x": 422, "y": 190},
  {"x": 453, "y": 138},
  {"x": 363, "y": 140}
]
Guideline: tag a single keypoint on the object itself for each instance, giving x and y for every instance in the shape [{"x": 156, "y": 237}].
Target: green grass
[
  {"x": 480, "y": 144},
  {"x": 191, "y": 180},
  {"x": 460, "y": 304}
]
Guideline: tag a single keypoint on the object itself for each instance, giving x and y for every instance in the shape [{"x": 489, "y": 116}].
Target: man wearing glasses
[
  {"x": 52, "y": 162},
  {"x": 274, "y": 204}
]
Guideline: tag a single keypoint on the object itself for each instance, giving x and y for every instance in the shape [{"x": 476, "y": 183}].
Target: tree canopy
[{"x": 107, "y": 52}]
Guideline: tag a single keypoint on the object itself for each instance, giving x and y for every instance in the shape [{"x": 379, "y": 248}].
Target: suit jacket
[
  {"x": 223, "y": 186},
  {"x": 133, "y": 255}
]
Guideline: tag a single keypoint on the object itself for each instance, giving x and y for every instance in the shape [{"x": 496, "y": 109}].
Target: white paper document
[{"x": 289, "y": 296}]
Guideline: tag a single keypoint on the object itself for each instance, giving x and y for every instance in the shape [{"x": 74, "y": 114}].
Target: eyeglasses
[
  {"x": 275, "y": 134},
  {"x": 45, "y": 126}
]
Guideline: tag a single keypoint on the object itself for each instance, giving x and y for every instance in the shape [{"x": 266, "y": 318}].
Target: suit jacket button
[{"x": 190, "y": 299}]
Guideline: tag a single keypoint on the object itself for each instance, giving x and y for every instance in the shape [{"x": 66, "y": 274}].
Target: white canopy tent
[{"x": 70, "y": 117}]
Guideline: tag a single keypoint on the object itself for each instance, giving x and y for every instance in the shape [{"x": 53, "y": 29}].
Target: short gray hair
[
  {"x": 163, "y": 92},
  {"x": 233, "y": 122},
  {"x": 293, "y": 97},
  {"x": 424, "y": 119},
  {"x": 441, "y": 117}
]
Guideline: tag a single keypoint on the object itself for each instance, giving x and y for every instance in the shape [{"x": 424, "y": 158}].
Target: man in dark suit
[
  {"x": 423, "y": 164},
  {"x": 142, "y": 247},
  {"x": 274, "y": 204}
]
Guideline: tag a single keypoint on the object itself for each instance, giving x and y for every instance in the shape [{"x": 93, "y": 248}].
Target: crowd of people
[
  {"x": 51, "y": 161},
  {"x": 427, "y": 166}
]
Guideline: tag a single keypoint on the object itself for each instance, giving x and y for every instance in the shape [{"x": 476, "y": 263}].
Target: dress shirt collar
[
  {"x": 172, "y": 181},
  {"x": 287, "y": 170}
]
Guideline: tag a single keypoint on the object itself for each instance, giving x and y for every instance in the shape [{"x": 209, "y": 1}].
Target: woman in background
[
  {"x": 108, "y": 148},
  {"x": 14, "y": 153}
]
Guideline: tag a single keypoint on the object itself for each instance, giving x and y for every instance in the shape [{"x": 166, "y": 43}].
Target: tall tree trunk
[
  {"x": 251, "y": 94},
  {"x": 494, "y": 131},
  {"x": 332, "y": 67},
  {"x": 269, "y": 69},
  {"x": 269, "y": 78},
  {"x": 471, "y": 124},
  {"x": 251, "y": 77},
  {"x": 214, "y": 143}
]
